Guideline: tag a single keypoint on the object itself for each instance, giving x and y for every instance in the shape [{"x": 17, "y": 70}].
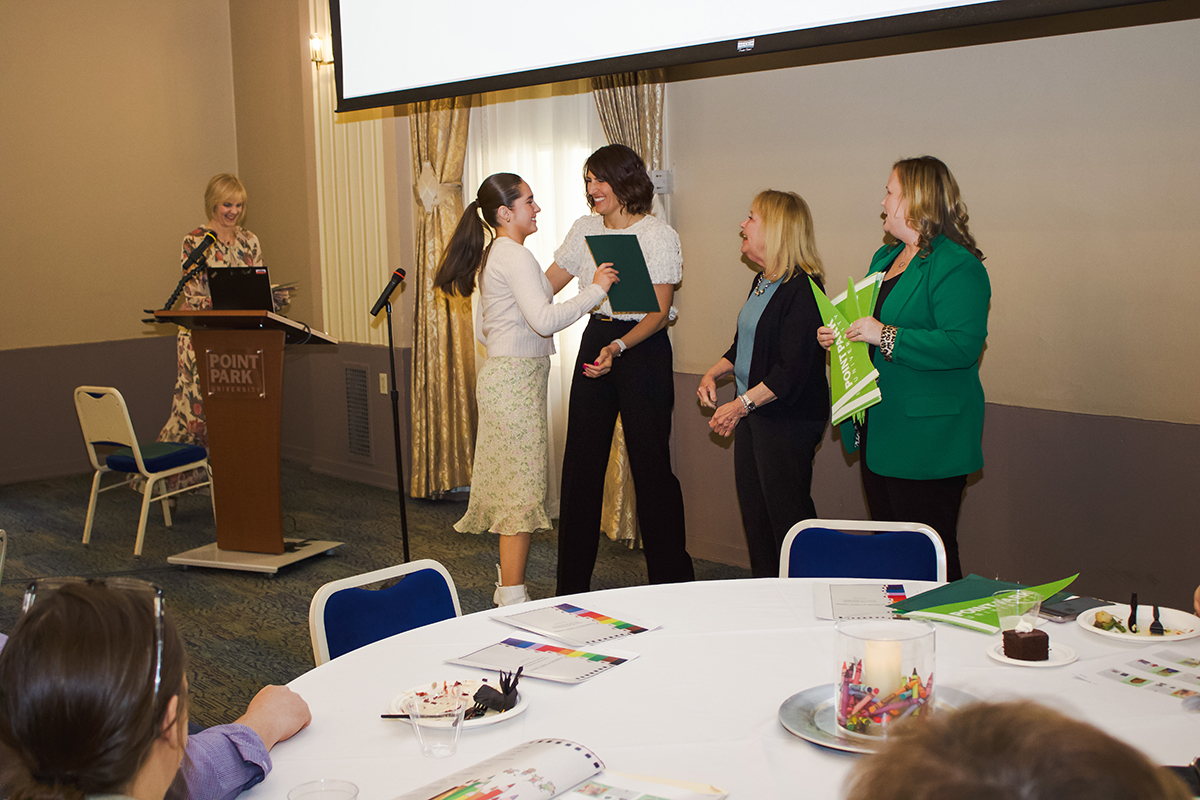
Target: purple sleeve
[{"x": 220, "y": 763}]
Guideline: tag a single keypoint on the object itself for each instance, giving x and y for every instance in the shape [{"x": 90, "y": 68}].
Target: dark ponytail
[{"x": 467, "y": 251}]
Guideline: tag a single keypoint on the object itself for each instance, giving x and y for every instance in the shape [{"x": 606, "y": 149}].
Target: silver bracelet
[{"x": 887, "y": 341}]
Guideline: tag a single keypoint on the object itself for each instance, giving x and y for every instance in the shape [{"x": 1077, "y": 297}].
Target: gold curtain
[
  {"x": 444, "y": 416},
  {"x": 631, "y": 112}
]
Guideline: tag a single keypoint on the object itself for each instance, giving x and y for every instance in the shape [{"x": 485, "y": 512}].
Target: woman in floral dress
[{"x": 225, "y": 205}]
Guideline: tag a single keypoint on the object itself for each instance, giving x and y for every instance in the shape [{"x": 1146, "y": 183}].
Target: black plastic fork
[{"x": 1156, "y": 627}]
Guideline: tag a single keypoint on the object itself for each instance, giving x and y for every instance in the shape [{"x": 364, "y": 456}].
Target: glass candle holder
[{"x": 885, "y": 673}]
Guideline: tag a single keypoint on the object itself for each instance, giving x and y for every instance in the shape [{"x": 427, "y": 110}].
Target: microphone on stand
[
  {"x": 194, "y": 261},
  {"x": 397, "y": 276},
  {"x": 197, "y": 255}
]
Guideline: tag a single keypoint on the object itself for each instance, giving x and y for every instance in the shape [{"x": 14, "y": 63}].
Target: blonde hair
[
  {"x": 221, "y": 188},
  {"x": 935, "y": 205},
  {"x": 1008, "y": 751},
  {"x": 788, "y": 234}
]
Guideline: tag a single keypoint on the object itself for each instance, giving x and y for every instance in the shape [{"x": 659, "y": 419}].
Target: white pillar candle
[{"x": 881, "y": 666}]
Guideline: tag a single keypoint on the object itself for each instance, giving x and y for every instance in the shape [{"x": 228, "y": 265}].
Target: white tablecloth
[{"x": 700, "y": 703}]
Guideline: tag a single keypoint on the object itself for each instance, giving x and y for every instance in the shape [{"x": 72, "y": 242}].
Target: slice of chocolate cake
[{"x": 1027, "y": 645}]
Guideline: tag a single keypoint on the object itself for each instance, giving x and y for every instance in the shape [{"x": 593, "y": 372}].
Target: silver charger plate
[{"x": 811, "y": 716}]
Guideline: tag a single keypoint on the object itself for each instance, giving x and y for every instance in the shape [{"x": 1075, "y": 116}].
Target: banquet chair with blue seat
[
  {"x": 343, "y": 616},
  {"x": 822, "y": 548},
  {"x": 104, "y": 419}
]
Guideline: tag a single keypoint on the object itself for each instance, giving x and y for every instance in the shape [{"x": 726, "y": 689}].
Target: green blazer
[{"x": 929, "y": 423}]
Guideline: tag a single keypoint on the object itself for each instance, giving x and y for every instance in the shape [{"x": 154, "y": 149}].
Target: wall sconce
[{"x": 316, "y": 46}]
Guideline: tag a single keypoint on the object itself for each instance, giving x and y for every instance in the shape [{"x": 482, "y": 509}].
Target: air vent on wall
[{"x": 358, "y": 418}]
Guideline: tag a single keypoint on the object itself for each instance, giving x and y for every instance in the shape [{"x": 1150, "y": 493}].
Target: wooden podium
[{"x": 239, "y": 356}]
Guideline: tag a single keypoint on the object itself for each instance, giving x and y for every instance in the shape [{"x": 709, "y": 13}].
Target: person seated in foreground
[
  {"x": 1008, "y": 751},
  {"x": 219, "y": 762}
]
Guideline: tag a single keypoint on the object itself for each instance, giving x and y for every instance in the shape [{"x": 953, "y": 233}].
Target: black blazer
[{"x": 786, "y": 356}]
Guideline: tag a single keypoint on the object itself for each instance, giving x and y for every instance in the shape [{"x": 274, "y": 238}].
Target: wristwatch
[
  {"x": 619, "y": 344},
  {"x": 747, "y": 402}
]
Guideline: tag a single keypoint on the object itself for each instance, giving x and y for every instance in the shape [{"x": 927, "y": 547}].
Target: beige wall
[
  {"x": 1076, "y": 155},
  {"x": 116, "y": 115},
  {"x": 272, "y": 77}
]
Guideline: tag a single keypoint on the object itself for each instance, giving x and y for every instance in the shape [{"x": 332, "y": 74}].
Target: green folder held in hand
[
  {"x": 634, "y": 292},
  {"x": 852, "y": 387}
]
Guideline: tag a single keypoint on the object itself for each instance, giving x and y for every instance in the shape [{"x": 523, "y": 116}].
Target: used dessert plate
[
  {"x": 810, "y": 715},
  {"x": 1177, "y": 624},
  {"x": 467, "y": 688},
  {"x": 1059, "y": 654}
]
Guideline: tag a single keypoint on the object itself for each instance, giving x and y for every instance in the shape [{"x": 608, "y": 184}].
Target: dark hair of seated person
[
  {"x": 1008, "y": 751},
  {"x": 77, "y": 703}
]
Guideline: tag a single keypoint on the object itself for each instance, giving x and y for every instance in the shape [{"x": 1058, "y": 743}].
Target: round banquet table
[{"x": 700, "y": 703}]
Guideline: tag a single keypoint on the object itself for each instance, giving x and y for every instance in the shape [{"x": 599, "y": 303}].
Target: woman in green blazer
[{"x": 926, "y": 337}]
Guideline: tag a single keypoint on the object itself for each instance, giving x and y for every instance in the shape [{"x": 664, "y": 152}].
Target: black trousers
[
  {"x": 935, "y": 503},
  {"x": 773, "y": 468},
  {"x": 640, "y": 387}
]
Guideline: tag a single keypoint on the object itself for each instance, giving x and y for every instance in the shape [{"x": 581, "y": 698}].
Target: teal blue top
[{"x": 748, "y": 319}]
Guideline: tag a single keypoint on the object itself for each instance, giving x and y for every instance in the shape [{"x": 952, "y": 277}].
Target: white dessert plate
[
  {"x": 468, "y": 687},
  {"x": 1059, "y": 654},
  {"x": 810, "y": 715},
  {"x": 1178, "y": 624}
]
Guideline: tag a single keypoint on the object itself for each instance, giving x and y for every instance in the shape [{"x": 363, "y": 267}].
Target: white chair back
[{"x": 104, "y": 419}]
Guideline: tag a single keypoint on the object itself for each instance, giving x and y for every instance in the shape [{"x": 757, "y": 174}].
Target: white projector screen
[{"x": 389, "y": 52}]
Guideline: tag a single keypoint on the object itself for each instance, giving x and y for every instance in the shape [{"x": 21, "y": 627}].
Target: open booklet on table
[
  {"x": 548, "y": 768},
  {"x": 575, "y": 625}
]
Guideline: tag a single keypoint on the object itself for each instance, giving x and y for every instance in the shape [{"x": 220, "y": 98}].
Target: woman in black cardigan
[{"x": 779, "y": 368}]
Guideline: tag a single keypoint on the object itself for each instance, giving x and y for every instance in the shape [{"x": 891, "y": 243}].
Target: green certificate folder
[{"x": 634, "y": 293}]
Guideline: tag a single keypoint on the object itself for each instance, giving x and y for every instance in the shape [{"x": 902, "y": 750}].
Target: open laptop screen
[{"x": 240, "y": 288}]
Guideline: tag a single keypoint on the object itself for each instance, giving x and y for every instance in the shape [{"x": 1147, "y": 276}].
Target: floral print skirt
[
  {"x": 186, "y": 423},
  {"x": 508, "y": 483}
]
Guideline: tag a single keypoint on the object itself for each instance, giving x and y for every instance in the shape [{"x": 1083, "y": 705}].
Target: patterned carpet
[{"x": 244, "y": 630}]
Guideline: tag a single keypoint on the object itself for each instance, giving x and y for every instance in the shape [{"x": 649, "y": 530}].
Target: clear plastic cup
[
  {"x": 324, "y": 790},
  {"x": 1017, "y": 606},
  {"x": 437, "y": 722}
]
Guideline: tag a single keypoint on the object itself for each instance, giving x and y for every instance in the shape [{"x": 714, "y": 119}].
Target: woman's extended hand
[
  {"x": 727, "y": 417},
  {"x": 605, "y": 276},
  {"x": 602, "y": 364},
  {"x": 826, "y": 337},
  {"x": 707, "y": 391},
  {"x": 867, "y": 329}
]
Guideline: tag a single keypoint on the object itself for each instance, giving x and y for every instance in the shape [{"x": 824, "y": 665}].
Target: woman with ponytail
[
  {"x": 93, "y": 699},
  {"x": 515, "y": 320}
]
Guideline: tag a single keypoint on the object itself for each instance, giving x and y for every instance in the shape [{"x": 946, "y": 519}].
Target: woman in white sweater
[{"x": 519, "y": 317}]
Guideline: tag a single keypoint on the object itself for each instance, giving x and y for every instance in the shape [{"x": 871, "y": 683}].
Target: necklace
[{"x": 763, "y": 284}]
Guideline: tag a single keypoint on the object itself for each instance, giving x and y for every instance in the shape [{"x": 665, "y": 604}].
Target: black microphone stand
[{"x": 396, "y": 432}]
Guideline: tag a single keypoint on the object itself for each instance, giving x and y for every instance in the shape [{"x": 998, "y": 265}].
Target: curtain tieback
[{"x": 432, "y": 193}]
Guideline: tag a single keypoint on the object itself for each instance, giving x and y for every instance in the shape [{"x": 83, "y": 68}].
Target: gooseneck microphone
[
  {"x": 397, "y": 276},
  {"x": 191, "y": 265},
  {"x": 197, "y": 254}
]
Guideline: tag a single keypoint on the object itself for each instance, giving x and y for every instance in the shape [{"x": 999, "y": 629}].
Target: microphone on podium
[
  {"x": 393, "y": 282},
  {"x": 197, "y": 254}
]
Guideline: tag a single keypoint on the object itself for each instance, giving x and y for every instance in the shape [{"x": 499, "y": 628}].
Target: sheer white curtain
[{"x": 544, "y": 134}]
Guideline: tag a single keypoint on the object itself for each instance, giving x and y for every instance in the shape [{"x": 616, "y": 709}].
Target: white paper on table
[
  {"x": 619, "y": 786},
  {"x": 1160, "y": 669},
  {"x": 574, "y": 625},
  {"x": 856, "y": 600},
  {"x": 536, "y": 770},
  {"x": 550, "y": 662}
]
